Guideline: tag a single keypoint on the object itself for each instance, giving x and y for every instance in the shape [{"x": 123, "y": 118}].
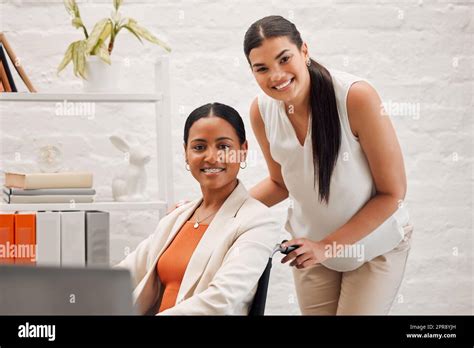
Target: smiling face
[
  {"x": 280, "y": 68},
  {"x": 213, "y": 152}
]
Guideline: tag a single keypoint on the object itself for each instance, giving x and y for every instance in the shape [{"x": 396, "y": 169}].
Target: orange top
[{"x": 173, "y": 262}]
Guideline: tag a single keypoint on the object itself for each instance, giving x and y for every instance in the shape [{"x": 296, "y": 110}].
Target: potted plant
[{"x": 90, "y": 57}]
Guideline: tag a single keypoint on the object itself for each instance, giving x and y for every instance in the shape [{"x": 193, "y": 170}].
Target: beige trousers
[{"x": 367, "y": 290}]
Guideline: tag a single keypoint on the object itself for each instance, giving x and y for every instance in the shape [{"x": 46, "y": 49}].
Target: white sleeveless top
[{"x": 352, "y": 184}]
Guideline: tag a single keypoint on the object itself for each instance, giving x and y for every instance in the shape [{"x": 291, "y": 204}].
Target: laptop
[{"x": 40, "y": 290}]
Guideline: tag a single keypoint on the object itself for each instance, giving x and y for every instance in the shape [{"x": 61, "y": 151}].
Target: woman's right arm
[{"x": 271, "y": 190}]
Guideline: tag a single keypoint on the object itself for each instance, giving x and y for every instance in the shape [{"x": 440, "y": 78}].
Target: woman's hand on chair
[{"x": 308, "y": 254}]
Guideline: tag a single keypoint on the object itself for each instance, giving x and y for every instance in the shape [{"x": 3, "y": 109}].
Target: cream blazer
[{"x": 223, "y": 272}]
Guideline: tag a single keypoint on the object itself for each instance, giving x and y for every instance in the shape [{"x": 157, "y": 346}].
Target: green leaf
[
  {"x": 79, "y": 58},
  {"x": 72, "y": 8},
  {"x": 96, "y": 34},
  {"x": 106, "y": 32},
  {"x": 75, "y": 57},
  {"x": 67, "y": 58},
  {"x": 103, "y": 36},
  {"x": 81, "y": 63},
  {"x": 117, "y": 4},
  {"x": 77, "y": 22},
  {"x": 103, "y": 53},
  {"x": 133, "y": 32},
  {"x": 69, "y": 5},
  {"x": 144, "y": 33}
]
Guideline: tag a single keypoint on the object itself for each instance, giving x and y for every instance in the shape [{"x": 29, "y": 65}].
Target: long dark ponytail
[{"x": 325, "y": 125}]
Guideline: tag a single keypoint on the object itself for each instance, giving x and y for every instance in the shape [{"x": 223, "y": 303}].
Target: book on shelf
[
  {"x": 73, "y": 238},
  {"x": 25, "y": 238},
  {"x": 56, "y": 191},
  {"x": 97, "y": 238},
  {"x": 7, "y": 237},
  {"x": 10, "y": 199},
  {"x": 55, "y": 238},
  {"x": 48, "y": 180},
  {"x": 48, "y": 238},
  {"x": 4, "y": 62}
]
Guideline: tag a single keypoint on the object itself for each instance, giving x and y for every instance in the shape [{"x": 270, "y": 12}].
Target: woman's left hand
[{"x": 308, "y": 254}]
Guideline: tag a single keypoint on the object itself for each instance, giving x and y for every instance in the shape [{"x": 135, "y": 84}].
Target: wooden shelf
[
  {"x": 96, "y": 97},
  {"x": 152, "y": 205}
]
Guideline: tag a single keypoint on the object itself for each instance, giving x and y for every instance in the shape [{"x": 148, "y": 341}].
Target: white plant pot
[{"x": 101, "y": 77}]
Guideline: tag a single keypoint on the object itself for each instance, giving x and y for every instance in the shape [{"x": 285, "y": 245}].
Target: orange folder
[
  {"x": 25, "y": 238},
  {"x": 7, "y": 238}
]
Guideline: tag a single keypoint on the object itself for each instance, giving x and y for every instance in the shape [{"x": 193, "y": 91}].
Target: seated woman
[{"x": 207, "y": 256}]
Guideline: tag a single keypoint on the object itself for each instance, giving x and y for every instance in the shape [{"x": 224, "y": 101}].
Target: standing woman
[{"x": 331, "y": 149}]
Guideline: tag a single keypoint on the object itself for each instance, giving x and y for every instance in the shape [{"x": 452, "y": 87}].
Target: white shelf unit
[
  {"x": 164, "y": 155},
  {"x": 96, "y": 97},
  {"x": 104, "y": 205}
]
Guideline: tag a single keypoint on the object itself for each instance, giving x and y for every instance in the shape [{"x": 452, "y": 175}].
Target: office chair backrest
[
  {"x": 260, "y": 299},
  {"x": 258, "y": 304}
]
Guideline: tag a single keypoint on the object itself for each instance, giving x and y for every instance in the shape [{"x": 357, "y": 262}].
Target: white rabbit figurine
[{"x": 131, "y": 184}]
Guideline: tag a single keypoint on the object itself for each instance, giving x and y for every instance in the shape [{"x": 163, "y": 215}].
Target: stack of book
[
  {"x": 65, "y": 187},
  {"x": 55, "y": 238}
]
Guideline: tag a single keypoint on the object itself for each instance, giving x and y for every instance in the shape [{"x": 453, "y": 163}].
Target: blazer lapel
[
  {"x": 145, "y": 290},
  {"x": 182, "y": 218},
  {"x": 220, "y": 227}
]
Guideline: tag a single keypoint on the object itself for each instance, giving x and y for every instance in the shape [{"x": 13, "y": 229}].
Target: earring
[
  {"x": 187, "y": 167},
  {"x": 243, "y": 166},
  {"x": 308, "y": 62}
]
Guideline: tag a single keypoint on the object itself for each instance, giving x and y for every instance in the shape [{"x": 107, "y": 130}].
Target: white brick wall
[{"x": 413, "y": 52}]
